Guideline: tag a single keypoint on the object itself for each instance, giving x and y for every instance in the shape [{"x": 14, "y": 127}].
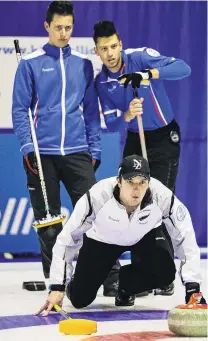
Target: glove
[
  {"x": 135, "y": 78},
  {"x": 193, "y": 288},
  {"x": 31, "y": 163},
  {"x": 96, "y": 164}
]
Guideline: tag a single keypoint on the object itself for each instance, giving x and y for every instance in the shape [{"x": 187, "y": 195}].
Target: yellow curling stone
[{"x": 77, "y": 327}]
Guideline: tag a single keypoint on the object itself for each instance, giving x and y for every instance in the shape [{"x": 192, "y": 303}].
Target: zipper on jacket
[{"x": 63, "y": 100}]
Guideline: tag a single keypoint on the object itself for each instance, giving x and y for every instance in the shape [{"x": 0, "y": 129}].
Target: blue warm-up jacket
[
  {"x": 57, "y": 85},
  {"x": 157, "y": 111}
]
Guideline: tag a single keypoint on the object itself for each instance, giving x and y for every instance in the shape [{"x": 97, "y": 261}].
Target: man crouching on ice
[{"x": 116, "y": 215}]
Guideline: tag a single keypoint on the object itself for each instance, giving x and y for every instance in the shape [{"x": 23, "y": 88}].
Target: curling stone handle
[{"x": 62, "y": 312}]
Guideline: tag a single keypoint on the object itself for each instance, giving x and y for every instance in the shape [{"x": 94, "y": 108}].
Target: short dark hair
[
  {"x": 104, "y": 29},
  {"x": 60, "y": 8}
]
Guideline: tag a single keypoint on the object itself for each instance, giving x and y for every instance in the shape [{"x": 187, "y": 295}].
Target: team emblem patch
[
  {"x": 137, "y": 164},
  {"x": 153, "y": 53},
  {"x": 181, "y": 213},
  {"x": 174, "y": 136}
]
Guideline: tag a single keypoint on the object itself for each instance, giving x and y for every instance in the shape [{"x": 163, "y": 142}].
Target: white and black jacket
[{"x": 103, "y": 218}]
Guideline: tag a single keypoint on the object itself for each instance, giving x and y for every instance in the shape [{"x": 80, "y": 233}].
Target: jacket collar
[{"x": 55, "y": 51}]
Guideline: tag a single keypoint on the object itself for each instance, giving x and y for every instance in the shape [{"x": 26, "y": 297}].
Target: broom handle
[
  {"x": 35, "y": 142},
  {"x": 141, "y": 129}
]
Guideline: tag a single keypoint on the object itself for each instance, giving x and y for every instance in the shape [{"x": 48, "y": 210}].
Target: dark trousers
[
  {"x": 155, "y": 268},
  {"x": 163, "y": 152},
  {"x": 75, "y": 171}
]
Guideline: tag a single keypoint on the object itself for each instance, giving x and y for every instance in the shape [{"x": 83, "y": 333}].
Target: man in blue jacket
[
  {"x": 146, "y": 69},
  {"x": 57, "y": 84}
]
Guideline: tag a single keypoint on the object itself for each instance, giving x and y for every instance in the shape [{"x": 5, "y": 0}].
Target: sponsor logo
[
  {"x": 191, "y": 290},
  {"x": 114, "y": 219},
  {"x": 48, "y": 70},
  {"x": 113, "y": 87}
]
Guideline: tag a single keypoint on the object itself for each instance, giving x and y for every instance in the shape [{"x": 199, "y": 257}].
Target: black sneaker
[
  {"x": 123, "y": 299},
  {"x": 141, "y": 294},
  {"x": 110, "y": 290},
  {"x": 165, "y": 291}
]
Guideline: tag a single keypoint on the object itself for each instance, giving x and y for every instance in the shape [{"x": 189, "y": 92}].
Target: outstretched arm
[{"x": 68, "y": 243}]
